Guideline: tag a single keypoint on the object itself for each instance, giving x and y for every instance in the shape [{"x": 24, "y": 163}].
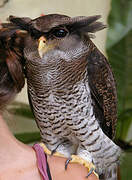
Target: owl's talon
[
  {"x": 67, "y": 162},
  {"x": 90, "y": 172},
  {"x": 53, "y": 152}
]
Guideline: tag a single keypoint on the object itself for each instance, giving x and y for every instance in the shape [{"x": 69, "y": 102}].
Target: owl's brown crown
[{"x": 45, "y": 23}]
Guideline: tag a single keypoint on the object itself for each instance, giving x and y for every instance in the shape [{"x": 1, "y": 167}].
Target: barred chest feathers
[{"x": 62, "y": 96}]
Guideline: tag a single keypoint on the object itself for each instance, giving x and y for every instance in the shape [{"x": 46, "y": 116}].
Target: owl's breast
[
  {"x": 67, "y": 105},
  {"x": 60, "y": 95}
]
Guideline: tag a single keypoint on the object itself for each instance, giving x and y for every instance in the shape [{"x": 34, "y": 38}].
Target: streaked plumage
[{"x": 71, "y": 89}]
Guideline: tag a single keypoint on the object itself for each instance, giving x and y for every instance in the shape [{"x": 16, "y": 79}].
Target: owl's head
[{"x": 57, "y": 35}]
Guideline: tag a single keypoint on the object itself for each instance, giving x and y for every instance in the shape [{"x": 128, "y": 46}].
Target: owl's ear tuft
[
  {"x": 86, "y": 24},
  {"x": 23, "y": 22}
]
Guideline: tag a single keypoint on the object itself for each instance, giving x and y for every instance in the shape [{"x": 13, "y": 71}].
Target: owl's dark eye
[{"x": 59, "y": 33}]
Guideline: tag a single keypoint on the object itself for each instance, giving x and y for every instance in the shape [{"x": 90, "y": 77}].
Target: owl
[{"x": 71, "y": 87}]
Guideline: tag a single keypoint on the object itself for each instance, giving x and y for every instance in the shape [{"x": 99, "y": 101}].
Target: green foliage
[
  {"x": 126, "y": 166},
  {"x": 120, "y": 21},
  {"x": 21, "y": 109},
  {"x": 27, "y": 132},
  {"x": 119, "y": 50},
  {"x": 28, "y": 137}
]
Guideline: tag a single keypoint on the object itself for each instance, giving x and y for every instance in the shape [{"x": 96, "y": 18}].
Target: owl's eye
[{"x": 59, "y": 33}]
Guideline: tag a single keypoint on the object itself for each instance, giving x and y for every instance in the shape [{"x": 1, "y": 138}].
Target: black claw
[
  {"x": 90, "y": 172},
  {"x": 67, "y": 162},
  {"x": 53, "y": 151}
]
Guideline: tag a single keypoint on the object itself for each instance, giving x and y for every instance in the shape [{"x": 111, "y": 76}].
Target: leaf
[
  {"x": 119, "y": 20},
  {"x": 119, "y": 50},
  {"x": 125, "y": 126},
  {"x": 21, "y": 109},
  {"x": 126, "y": 166},
  {"x": 28, "y": 137}
]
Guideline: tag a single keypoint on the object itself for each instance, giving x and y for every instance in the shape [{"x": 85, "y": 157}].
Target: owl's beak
[{"x": 42, "y": 48}]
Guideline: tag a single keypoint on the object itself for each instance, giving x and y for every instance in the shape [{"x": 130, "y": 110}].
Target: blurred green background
[{"x": 119, "y": 51}]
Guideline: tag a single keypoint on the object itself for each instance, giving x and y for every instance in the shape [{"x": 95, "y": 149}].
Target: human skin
[{"x": 18, "y": 161}]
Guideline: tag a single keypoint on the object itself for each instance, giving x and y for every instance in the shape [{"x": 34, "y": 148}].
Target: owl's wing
[
  {"x": 103, "y": 91},
  {"x": 32, "y": 108}
]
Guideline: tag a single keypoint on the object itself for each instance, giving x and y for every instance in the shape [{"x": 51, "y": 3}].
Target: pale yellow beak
[{"x": 42, "y": 48}]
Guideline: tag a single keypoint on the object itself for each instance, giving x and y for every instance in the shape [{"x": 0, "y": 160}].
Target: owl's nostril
[{"x": 43, "y": 39}]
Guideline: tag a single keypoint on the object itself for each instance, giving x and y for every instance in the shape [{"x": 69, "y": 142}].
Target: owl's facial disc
[
  {"x": 55, "y": 35},
  {"x": 43, "y": 47}
]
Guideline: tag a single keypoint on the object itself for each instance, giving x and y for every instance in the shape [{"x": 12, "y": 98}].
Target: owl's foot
[
  {"x": 47, "y": 151},
  {"x": 79, "y": 160},
  {"x": 72, "y": 159}
]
